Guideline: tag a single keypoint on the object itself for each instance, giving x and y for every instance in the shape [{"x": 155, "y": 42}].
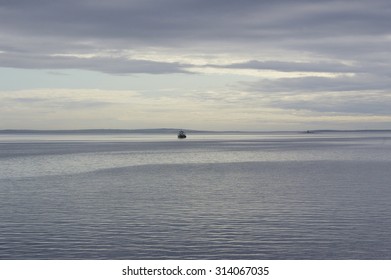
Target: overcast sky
[{"x": 199, "y": 64}]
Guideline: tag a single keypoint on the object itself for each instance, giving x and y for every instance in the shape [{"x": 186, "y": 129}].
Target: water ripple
[{"x": 279, "y": 204}]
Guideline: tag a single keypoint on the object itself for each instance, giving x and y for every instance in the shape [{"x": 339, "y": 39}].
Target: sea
[{"x": 277, "y": 195}]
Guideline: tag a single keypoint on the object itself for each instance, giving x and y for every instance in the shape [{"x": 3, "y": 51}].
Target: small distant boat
[{"x": 181, "y": 134}]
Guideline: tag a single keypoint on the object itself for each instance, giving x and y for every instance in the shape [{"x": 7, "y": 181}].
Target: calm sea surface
[{"x": 134, "y": 196}]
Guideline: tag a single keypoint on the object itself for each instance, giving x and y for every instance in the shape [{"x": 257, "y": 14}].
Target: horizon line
[{"x": 171, "y": 130}]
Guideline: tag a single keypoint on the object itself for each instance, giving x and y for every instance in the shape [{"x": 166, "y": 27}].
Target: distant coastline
[
  {"x": 175, "y": 130},
  {"x": 87, "y": 131}
]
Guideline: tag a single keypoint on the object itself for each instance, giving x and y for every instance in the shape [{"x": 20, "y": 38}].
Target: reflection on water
[{"x": 229, "y": 197}]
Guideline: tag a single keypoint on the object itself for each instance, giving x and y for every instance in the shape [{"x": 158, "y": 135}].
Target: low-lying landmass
[{"x": 170, "y": 131}]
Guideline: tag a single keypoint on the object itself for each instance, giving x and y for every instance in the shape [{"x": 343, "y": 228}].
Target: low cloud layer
[{"x": 112, "y": 65}]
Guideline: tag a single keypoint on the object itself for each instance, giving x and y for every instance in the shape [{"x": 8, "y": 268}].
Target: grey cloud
[
  {"x": 363, "y": 82},
  {"x": 348, "y": 30},
  {"x": 178, "y": 21},
  {"x": 131, "y": 20},
  {"x": 102, "y": 64}
]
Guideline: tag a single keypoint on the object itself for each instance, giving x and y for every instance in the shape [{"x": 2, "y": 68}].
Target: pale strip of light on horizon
[{"x": 260, "y": 73}]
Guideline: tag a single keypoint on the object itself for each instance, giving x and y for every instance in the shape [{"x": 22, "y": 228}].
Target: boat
[{"x": 181, "y": 134}]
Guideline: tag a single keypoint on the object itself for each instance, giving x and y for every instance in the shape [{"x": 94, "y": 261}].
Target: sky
[{"x": 196, "y": 64}]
